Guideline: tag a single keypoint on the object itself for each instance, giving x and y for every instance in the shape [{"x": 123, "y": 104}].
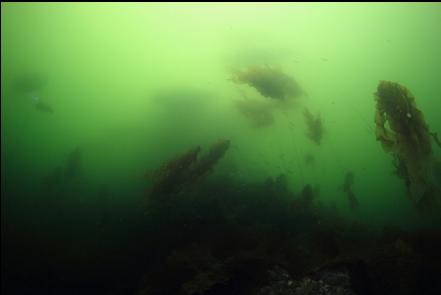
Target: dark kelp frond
[
  {"x": 269, "y": 82},
  {"x": 185, "y": 169},
  {"x": 396, "y": 105},
  {"x": 172, "y": 175},
  {"x": 315, "y": 126},
  {"x": 403, "y": 132},
  {"x": 206, "y": 163}
]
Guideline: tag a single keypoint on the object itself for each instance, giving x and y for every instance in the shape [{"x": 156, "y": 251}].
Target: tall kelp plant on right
[{"x": 403, "y": 132}]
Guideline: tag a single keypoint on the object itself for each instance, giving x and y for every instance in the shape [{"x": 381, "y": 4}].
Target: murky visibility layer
[{"x": 223, "y": 148}]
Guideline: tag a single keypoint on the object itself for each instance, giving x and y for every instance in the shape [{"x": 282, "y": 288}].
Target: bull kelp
[
  {"x": 408, "y": 138},
  {"x": 220, "y": 148}
]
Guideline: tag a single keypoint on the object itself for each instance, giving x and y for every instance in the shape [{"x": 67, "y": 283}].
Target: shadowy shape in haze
[
  {"x": 260, "y": 113},
  {"x": 28, "y": 83},
  {"x": 43, "y": 106},
  {"x": 269, "y": 82},
  {"x": 51, "y": 182},
  {"x": 349, "y": 181},
  {"x": 74, "y": 163},
  {"x": 403, "y": 132},
  {"x": 309, "y": 159},
  {"x": 278, "y": 186},
  {"x": 347, "y": 188},
  {"x": 306, "y": 198},
  {"x": 315, "y": 127},
  {"x": 29, "y": 86},
  {"x": 307, "y": 195},
  {"x": 61, "y": 176}
]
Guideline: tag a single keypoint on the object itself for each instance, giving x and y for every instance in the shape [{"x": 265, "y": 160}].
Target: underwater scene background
[{"x": 224, "y": 148}]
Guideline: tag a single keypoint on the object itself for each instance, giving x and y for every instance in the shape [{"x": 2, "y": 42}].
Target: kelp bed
[
  {"x": 221, "y": 237},
  {"x": 195, "y": 232}
]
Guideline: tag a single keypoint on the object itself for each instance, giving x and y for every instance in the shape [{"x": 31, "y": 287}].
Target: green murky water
[{"x": 96, "y": 96}]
